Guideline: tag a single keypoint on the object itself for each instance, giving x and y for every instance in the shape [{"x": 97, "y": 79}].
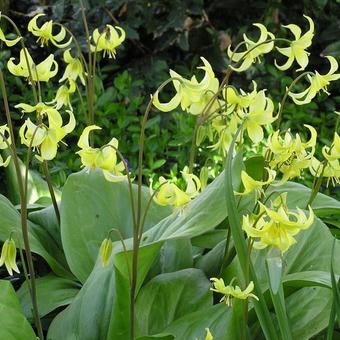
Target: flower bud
[
  {"x": 204, "y": 174},
  {"x": 105, "y": 251},
  {"x": 8, "y": 256}
]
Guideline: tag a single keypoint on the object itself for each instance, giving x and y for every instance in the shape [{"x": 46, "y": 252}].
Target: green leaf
[
  {"x": 298, "y": 196},
  {"x": 41, "y": 241},
  {"x": 274, "y": 269},
  {"x": 52, "y": 292},
  {"x": 13, "y": 323},
  {"x": 90, "y": 207},
  {"x": 308, "y": 278},
  {"x": 167, "y": 297}
]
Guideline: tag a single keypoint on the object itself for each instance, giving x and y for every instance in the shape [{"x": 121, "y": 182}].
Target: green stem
[{"x": 23, "y": 211}]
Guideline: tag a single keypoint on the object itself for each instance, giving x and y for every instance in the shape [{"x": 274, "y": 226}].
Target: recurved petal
[
  {"x": 166, "y": 107},
  {"x": 83, "y": 142}
]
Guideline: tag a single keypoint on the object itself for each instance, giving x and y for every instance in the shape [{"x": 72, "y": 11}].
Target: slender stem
[
  {"x": 279, "y": 119},
  {"x": 23, "y": 211},
  {"x": 317, "y": 185},
  {"x": 51, "y": 190}
]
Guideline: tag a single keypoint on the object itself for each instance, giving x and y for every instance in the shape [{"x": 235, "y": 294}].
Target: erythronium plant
[{"x": 132, "y": 262}]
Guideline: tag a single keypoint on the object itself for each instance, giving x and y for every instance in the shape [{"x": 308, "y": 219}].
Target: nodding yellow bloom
[
  {"x": 8, "y": 42},
  {"x": 237, "y": 102},
  {"x": 62, "y": 97},
  {"x": 39, "y": 108},
  {"x": 276, "y": 226},
  {"x": 4, "y": 136},
  {"x": 105, "y": 251},
  {"x": 169, "y": 194},
  {"x": 44, "y": 71},
  {"x": 297, "y": 49},
  {"x": 209, "y": 335},
  {"x": 104, "y": 158},
  {"x": 260, "y": 112},
  {"x": 229, "y": 292},
  {"x": 8, "y": 256},
  {"x": 190, "y": 94},
  {"x": 46, "y": 138},
  {"x": 108, "y": 40},
  {"x": 253, "y": 51},
  {"x": 74, "y": 68},
  {"x": 332, "y": 153},
  {"x": 250, "y": 184},
  {"x": 291, "y": 155},
  {"x": 44, "y": 33},
  {"x": 318, "y": 82},
  {"x": 331, "y": 170}
]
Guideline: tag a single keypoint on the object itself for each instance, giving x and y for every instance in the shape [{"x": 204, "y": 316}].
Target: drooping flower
[
  {"x": 63, "y": 94},
  {"x": 74, "y": 68},
  {"x": 39, "y": 108},
  {"x": 250, "y": 184},
  {"x": 276, "y": 226},
  {"x": 5, "y": 141},
  {"x": 8, "y": 256},
  {"x": 318, "y": 82},
  {"x": 253, "y": 49},
  {"x": 170, "y": 194},
  {"x": 259, "y": 113},
  {"x": 190, "y": 94},
  {"x": 297, "y": 49},
  {"x": 291, "y": 155},
  {"x": 108, "y": 40},
  {"x": 46, "y": 138},
  {"x": 104, "y": 158},
  {"x": 229, "y": 292},
  {"x": 8, "y": 42},
  {"x": 44, "y": 33},
  {"x": 105, "y": 251},
  {"x": 208, "y": 336},
  {"x": 44, "y": 71}
]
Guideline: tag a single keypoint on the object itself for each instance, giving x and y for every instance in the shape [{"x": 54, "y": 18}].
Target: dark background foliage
[{"x": 174, "y": 34}]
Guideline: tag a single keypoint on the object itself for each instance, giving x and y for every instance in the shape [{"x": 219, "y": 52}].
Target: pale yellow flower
[
  {"x": 74, "y": 68},
  {"x": 105, "y": 251},
  {"x": 108, "y": 40},
  {"x": 44, "y": 71},
  {"x": 8, "y": 256},
  {"x": 63, "y": 96},
  {"x": 297, "y": 49},
  {"x": 318, "y": 82},
  {"x": 8, "y": 42},
  {"x": 44, "y": 33},
  {"x": 5, "y": 141}
]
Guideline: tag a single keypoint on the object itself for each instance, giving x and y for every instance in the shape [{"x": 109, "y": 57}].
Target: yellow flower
[
  {"x": 44, "y": 71},
  {"x": 209, "y": 335},
  {"x": 44, "y": 33},
  {"x": 4, "y": 136},
  {"x": 62, "y": 97},
  {"x": 277, "y": 226},
  {"x": 104, "y": 158},
  {"x": 169, "y": 194},
  {"x": 8, "y": 256},
  {"x": 250, "y": 184},
  {"x": 105, "y": 251},
  {"x": 237, "y": 102},
  {"x": 108, "y": 40},
  {"x": 331, "y": 170},
  {"x": 260, "y": 112},
  {"x": 317, "y": 82},
  {"x": 8, "y": 42},
  {"x": 230, "y": 292},
  {"x": 39, "y": 108},
  {"x": 253, "y": 51},
  {"x": 190, "y": 94},
  {"x": 291, "y": 155},
  {"x": 296, "y": 51},
  {"x": 74, "y": 68},
  {"x": 46, "y": 138}
]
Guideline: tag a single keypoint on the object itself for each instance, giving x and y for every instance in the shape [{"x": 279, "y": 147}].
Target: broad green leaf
[
  {"x": 210, "y": 239},
  {"x": 298, "y": 196},
  {"x": 37, "y": 187},
  {"x": 41, "y": 241},
  {"x": 167, "y": 297},
  {"x": 219, "y": 319},
  {"x": 308, "y": 311},
  {"x": 202, "y": 214},
  {"x": 52, "y": 292},
  {"x": 14, "y": 325},
  {"x": 101, "y": 308},
  {"x": 274, "y": 270},
  {"x": 90, "y": 207},
  {"x": 309, "y": 278}
]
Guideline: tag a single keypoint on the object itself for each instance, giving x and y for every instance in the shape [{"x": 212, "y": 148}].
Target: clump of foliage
[{"x": 226, "y": 251}]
